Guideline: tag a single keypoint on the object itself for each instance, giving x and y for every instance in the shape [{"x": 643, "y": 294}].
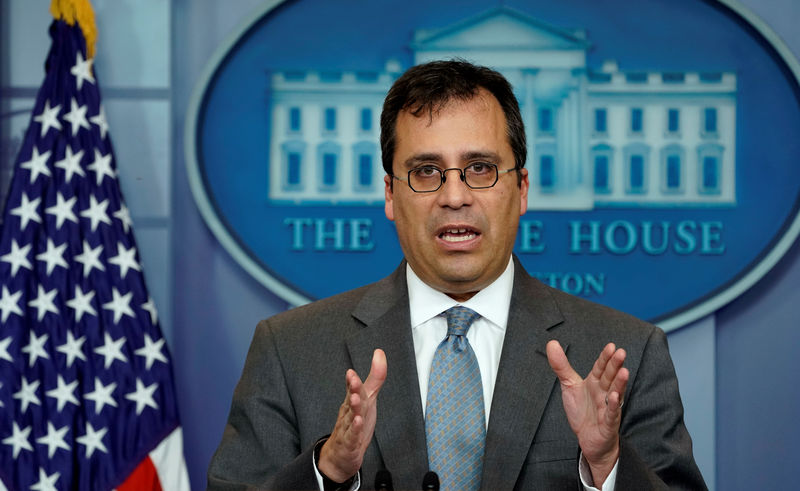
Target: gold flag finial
[{"x": 81, "y": 11}]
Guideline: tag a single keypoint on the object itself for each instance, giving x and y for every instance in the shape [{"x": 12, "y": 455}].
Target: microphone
[
  {"x": 430, "y": 482},
  {"x": 383, "y": 481}
]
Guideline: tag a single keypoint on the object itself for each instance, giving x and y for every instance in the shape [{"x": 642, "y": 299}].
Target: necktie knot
[{"x": 459, "y": 320}]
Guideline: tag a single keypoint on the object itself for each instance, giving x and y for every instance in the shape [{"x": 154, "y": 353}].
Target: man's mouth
[{"x": 458, "y": 234}]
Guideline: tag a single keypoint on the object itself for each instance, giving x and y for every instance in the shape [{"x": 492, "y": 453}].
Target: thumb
[
  {"x": 377, "y": 373},
  {"x": 560, "y": 365}
]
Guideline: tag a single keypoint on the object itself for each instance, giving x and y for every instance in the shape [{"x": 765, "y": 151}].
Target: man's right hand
[{"x": 341, "y": 455}]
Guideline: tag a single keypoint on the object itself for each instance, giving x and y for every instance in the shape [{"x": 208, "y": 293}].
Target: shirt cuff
[
  {"x": 588, "y": 482},
  {"x": 320, "y": 482}
]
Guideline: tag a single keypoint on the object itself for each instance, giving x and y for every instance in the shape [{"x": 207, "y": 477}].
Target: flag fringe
[{"x": 81, "y": 11}]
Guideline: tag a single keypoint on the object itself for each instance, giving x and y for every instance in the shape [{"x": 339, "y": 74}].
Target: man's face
[{"x": 457, "y": 240}]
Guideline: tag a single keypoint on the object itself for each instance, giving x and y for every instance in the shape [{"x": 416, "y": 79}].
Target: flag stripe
[{"x": 143, "y": 477}]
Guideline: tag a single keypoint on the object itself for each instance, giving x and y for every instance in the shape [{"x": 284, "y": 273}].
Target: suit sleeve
[
  {"x": 655, "y": 447},
  {"x": 260, "y": 446}
]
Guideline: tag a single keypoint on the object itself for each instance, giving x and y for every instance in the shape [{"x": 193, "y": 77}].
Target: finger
[
  {"x": 377, "y": 373},
  {"x": 560, "y": 365},
  {"x": 600, "y": 364},
  {"x": 620, "y": 383},
  {"x": 612, "y": 368},
  {"x": 354, "y": 383}
]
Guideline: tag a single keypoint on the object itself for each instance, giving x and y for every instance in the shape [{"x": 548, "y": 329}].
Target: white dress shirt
[{"x": 429, "y": 327}]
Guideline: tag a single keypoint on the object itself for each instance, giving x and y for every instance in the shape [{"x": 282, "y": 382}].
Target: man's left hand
[{"x": 593, "y": 405}]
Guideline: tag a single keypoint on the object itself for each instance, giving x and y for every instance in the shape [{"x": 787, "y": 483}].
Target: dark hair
[{"x": 428, "y": 87}]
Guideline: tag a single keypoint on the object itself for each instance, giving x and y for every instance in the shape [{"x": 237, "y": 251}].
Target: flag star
[
  {"x": 72, "y": 348},
  {"x": 124, "y": 216},
  {"x": 82, "y": 303},
  {"x": 18, "y": 257},
  {"x": 119, "y": 304},
  {"x": 37, "y": 164},
  {"x": 101, "y": 166},
  {"x": 101, "y": 395},
  {"x": 44, "y": 302},
  {"x": 112, "y": 350},
  {"x": 27, "y": 394},
  {"x": 53, "y": 256},
  {"x": 4, "y": 354},
  {"x": 151, "y": 351},
  {"x": 96, "y": 212},
  {"x": 143, "y": 396},
  {"x": 90, "y": 258},
  {"x": 82, "y": 70},
  {"x": 64, "y": 393},
  {"x": 18, "y": 439},
  {"x": 71, "y": 163},
  {"x": 48, "y": 118},
  {"x": 9, "y": 303},
  {"x": 101, "y": 122},
  {"x": 150, "y": 307},
  {"x": 27, "y": 210},
  {"x": 125, "y": 259},
  {"x": 93, "y": 440},
  {"x": 77, "y": 117},
  {"x": 46, "y": 483},
  {"x": 62, "y": 210},
  {"x": 54, "y": 439},
  {"x": 35, "y": 348}
]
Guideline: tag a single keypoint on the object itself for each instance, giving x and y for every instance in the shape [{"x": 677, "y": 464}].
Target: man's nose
[{"x": 454, "y": 191}]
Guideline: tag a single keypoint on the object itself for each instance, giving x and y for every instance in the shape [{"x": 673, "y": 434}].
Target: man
[{"x": 454, "y": 148}]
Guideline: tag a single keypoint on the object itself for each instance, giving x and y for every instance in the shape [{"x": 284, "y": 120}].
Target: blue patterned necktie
[{"x": 455, "y": 424}]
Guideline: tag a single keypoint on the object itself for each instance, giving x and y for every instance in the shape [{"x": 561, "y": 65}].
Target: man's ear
[
  {"x": 388, "y": 206},
  {"x": 523, "y": 191}
]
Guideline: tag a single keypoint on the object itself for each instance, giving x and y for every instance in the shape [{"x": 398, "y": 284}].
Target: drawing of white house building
[{"x": 596, "y": 137}]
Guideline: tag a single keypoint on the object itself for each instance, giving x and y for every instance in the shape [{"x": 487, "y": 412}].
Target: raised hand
[
  {"x": 342, "y": 454},
  {"x": 593, "y": 405}
]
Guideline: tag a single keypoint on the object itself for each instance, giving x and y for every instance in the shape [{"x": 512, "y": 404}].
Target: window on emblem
[
  {"x": 710, "y": 169},
  {"x": 295, "y": 122},
  {"x": 636, "y": 174},
  {"x": 330, "y": 119},
  {"x": 600, "y": 121},
  {"x": 601, "y": 184},
  {"x": 293, "y": 170},
  {"x": 365, "y": 170},
  {"x": 546, "y": 172},
  {"x": 546, "y": 120},
  {"x": 636, "y": 120},
  {"x": 672, "y": 169},
  {"x": 710, "y": 121},
  {"x": 366, "y": 119},
  {"x": 673, "y": 121},
  {"x": 329, "y": 169},
  {"x": 673, "y": 172}
]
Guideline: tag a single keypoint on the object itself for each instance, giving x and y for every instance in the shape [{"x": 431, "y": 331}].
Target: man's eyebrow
[
  {"x": 422, "y": 158},
  {"x": 486, "y": 155}
]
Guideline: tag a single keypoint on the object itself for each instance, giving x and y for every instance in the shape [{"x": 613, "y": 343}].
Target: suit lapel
[
  {"x": 524, "y": 381},
  {"x": 400, "y": 428}
]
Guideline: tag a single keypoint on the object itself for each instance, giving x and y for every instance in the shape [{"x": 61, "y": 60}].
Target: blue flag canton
[{"x": 86, "y": 386}]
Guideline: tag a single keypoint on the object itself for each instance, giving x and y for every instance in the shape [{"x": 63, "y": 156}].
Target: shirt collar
[{"x": 491, "y": 303}]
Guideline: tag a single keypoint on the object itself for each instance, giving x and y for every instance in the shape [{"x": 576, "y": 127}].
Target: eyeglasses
[{"x": 429, "y": 178}]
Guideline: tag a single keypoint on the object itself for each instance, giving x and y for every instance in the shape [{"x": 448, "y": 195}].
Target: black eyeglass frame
[{"x": 461, "y": 175}]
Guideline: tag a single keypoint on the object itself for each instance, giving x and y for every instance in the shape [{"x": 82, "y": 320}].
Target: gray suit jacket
[{"x": 293, "y": 384}]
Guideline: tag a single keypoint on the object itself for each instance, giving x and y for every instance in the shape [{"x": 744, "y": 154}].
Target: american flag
[{"x": 87, "y": 399}]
